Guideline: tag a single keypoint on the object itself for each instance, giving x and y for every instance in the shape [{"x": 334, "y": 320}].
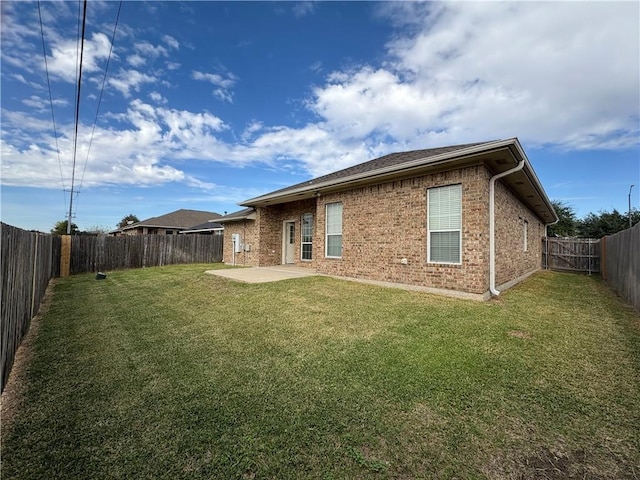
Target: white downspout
[{"x": 492, "y": 225}]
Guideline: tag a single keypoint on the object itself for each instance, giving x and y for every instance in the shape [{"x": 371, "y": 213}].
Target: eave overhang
[
  {"x": 498, "y": 156},
  {"x": 237, "y": 218}
]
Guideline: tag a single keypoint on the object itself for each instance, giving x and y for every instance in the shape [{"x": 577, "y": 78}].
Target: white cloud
[
  {"x": 216, "y": 79},
  {"x": 62, "y": 61},
  {"x": 41, "y": 104},
  {"x": 141, "y": 153},
  {"x": 127, "y": 80},
  {"x": 223, "y": 82},
  {"x": 151, "y": 51},
  {"x": 562, "y": 73},
  {"x": 158, "y": 98},
  {"x": 136, "y": 60},
  {"x": 171, "y": 42}
]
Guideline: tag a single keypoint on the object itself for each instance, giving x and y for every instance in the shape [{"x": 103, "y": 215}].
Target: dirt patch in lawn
[
  {"x": 13, "y": 394},
  {"x": 548, "y": 464}
]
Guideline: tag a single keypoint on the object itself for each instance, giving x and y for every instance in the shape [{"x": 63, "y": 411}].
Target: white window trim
[
  {"x": 449, "y": 230},
  {"x": 302, "y": 242},
  {"x": 326, "y": 235}
]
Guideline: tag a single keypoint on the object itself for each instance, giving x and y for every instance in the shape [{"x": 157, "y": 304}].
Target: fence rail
[
  {"x": 93, "y": 254},
  {"x": 571, "y": 254},
  {"x": 29, "y": 261},
  {"x": 621, "y": 264}
]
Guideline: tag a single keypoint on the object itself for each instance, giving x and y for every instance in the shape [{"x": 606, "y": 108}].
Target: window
[
  {"x": 333, "y": 230},
  {"x": 444, "y": 224},
  {"x": 525, "y": 228},
  {"x": 307, "y": 236}
]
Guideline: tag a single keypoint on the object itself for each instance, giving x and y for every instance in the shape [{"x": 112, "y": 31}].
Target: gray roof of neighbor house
[
  {"x": 180, "y": 219},
  {"x": 204, "y": 227},
  {"x": 498, "y": 156},
  {"x": 245, "y": 214}
]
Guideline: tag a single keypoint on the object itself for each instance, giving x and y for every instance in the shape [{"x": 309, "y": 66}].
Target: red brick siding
[
  {"x": 271, "y": 225},
  {"x": 385, "y": 223},
  {"x": 511, "y": 259},
  {"x": 248, "y": 233},
  {"x": 382, "y": 224}
]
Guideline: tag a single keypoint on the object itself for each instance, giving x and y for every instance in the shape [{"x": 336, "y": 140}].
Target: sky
[{"x": 207, "y": 104}]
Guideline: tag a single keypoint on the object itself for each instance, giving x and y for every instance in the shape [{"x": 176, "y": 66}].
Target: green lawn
[{"x": 170, "y": 373}]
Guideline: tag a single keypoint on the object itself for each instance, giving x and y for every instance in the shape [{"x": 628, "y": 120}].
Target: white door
[{"x": 289, "y": 242}]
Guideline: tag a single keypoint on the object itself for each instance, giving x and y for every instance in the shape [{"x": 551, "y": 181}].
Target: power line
[
  {"x": 53, "y": 119},
  {"x": 75, "y": 136},
  {"x": 104, "y": 80}
]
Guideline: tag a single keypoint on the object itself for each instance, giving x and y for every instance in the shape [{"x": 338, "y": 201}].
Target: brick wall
[
  {"x": 248, "y": 233},
  {"x": 385, "y": 223},
  {"x": 511, "y": 259},
  {"x": 271, "y": 225}
]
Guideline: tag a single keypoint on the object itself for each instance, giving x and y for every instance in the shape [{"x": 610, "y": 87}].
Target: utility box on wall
[{"x": 237, "y": 245}]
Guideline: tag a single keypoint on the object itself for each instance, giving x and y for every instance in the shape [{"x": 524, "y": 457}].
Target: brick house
[
  {"x": 170, "y": 223},
  {"x": 465, "y": 220}
]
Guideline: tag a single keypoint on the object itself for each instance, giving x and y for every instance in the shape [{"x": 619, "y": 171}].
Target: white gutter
[{"x": 492, "y": 224}]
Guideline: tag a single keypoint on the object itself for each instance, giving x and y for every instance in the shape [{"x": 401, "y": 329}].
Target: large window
[
  {"x": 333, "y": 230},
  {"x": 307, "y": 236},
  {"x": 444, "y": 224}
]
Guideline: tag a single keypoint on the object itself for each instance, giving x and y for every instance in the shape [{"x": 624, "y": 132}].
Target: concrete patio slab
[{"x": 263, "y": 274}]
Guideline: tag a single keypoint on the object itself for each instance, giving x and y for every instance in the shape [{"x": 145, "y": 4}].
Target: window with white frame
[
  {"x": 444, "y": 224},
  {"x": 333, "y": 230},
  {"x": 525, "y": 231},
  {"x": 307, "y": 236}
]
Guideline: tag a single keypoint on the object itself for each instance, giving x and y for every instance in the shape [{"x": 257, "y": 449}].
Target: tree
[
  {"x": 606, "y": 223},
  {"x": 567, "y": 223},
  {"x": 60, "y": 228},
  {"x": 129, "y": 218},
  {"x": 96, "y": 230}
]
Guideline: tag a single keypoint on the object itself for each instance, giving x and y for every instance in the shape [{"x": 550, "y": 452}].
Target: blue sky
[{"x": 207, "y": 104}]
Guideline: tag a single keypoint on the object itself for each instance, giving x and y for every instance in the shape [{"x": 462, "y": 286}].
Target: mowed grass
[{"x": 171, "y": 373}]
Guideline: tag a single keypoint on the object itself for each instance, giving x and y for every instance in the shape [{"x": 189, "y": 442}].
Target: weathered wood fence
[
  {"x": 29, "y": 261},
  {"x": 571, "y": 254},
  {"x": 101, "y": 253},
  {"x": 621, "y": 263}
]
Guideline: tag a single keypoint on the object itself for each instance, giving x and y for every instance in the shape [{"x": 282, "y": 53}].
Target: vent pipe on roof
[{"x": 492, "y": 225}]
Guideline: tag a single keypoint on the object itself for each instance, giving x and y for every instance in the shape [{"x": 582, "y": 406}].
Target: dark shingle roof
[
  {"x": 239, "y": 215},
  {"x": 182, "y": 219},
  {"x": 378, "y": 163},
  {"x": 205, "y": 226}
]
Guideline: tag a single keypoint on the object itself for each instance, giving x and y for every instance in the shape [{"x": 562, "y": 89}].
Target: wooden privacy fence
[
  {"x": 621, "y": 263},
  {"x": 29, "y": 261},
  {"x": 93, "y": 254},
  {"x": 571, "y": 254}
]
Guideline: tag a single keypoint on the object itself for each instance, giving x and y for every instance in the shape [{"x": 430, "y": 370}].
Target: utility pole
[{"x": 630, "y": 205}]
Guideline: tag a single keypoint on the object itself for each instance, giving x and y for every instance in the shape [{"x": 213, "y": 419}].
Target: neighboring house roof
[
  {"x": 498, "y": 156},
  {"x": 180, "y": 219},
  {"x": 204, "y": 227},
  {"x": 246, "y": 214}
]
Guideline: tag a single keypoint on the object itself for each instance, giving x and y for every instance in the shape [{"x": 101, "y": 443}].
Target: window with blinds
[
  {"x": 333, "y": 230},
  {"x": 307, "y": 236},
  {"x": 444, "y": 224}
]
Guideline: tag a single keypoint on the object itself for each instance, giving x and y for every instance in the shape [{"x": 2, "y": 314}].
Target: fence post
[
  {"x": 603, "y": 257},
  {"x": 65, "y": 256},
  {"x": 35, "y": 271}
]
